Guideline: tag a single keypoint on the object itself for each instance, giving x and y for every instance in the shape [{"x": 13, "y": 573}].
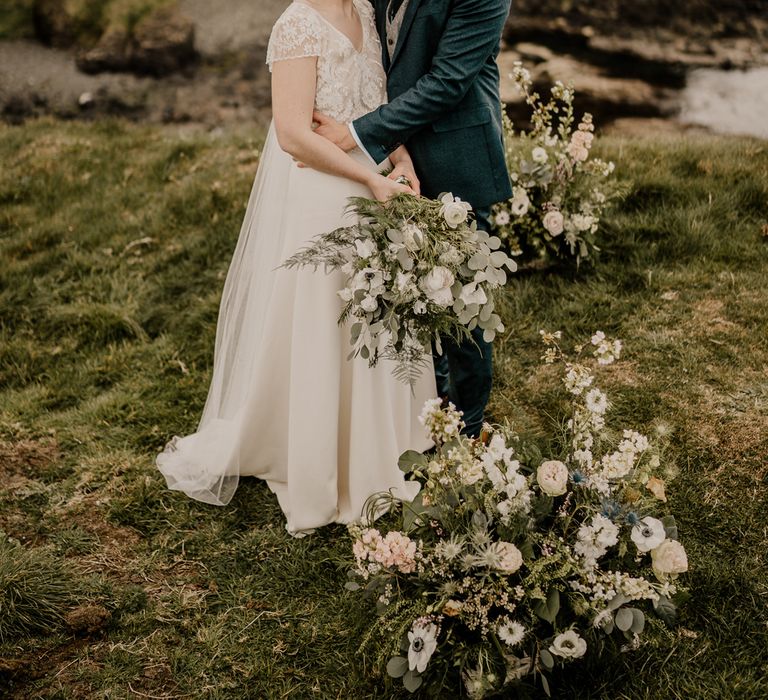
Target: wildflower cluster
[
  {"x": 521, "y": 555},
  {"x": 560, "y": 192}
]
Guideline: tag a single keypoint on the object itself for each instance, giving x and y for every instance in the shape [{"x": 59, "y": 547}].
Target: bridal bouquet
[
  {"x": 560, "y": 192},
  {"x": 415, "y": 269},
  {"x": 518, "y": 558}
]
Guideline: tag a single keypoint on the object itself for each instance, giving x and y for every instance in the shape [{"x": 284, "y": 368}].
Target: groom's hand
[
  {"x": 337, "y": 133},
  {"x": 406, "y": 170}
]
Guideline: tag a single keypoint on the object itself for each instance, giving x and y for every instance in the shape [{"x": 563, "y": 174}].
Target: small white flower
[
  {"x": 454, "y": 211},
  {"x": 369, "y": 304},
  {"x": 419, "y": 308},
  {"x": 511, "y": 558},
  {"x": 554, "y": 222},
  {"x": 648, "y": 534},
  {"x": 552, "y": 477},
  {"x": 345, "y": 294},
  {"x": 365, "y": 248},
  {"x": 423, "y": 642},
  {"x": 520, "y": 202},
  {"x": 539, "y": 155},
  {"x": 597, "y": 402},
  {"x": 511, "y": 633},
  {"x": 503, "y": 218},
  {"x": 568, "y": 645}
]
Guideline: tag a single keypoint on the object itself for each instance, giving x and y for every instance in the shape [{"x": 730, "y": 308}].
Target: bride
[{"x": 285, "y": 404}]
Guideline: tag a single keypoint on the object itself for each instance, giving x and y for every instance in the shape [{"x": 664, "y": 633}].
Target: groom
[{"x": 444, "y": 105}]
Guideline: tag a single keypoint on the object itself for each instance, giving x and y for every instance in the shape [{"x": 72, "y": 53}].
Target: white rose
[
  {"x": 552, "y": 477},
  {"x": 511, "y": 558},
  {"x": 539, "y": 155},
  {"x": 648, "y": 534},
  {"x": 669, "y": 559},
  {"x": 365, "y": 249},
  {"x": 437, "y": 286},
  {"x": 554, "y": 222},
  {"x": 454, "y": 211},
  {"x": 568, "y": 645}
]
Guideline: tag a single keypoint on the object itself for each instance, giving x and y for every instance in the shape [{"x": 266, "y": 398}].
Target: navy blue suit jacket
[{"x": 443, "y": 88}]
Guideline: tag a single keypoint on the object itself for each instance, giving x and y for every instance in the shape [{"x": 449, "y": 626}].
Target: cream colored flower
[
  {"x": 511, "y": 559},
  {"x": 568, "y": 645},
  {"x": 437, "y": 286},
  {"x": 552, "y": 477},
  {"x": 554, "y": 222},
  {"x": 454, "y": 211},
  {"x": 669, "y": 560},
  {"x": 452, "y": 608}
]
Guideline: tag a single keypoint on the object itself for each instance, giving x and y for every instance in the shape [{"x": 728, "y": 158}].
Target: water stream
[{"x": 727, "y": 101}]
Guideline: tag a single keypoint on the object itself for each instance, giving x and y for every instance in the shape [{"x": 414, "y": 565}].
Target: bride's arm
[{"x": 293, "y": 99}]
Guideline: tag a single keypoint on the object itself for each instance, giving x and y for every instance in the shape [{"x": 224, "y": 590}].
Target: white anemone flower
[
  {"x": 648, "y": 534},
  {"x": 423, "y": 642}
]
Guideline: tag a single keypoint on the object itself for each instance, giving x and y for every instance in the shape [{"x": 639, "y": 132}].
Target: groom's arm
[{"x": 471, "y": 37}]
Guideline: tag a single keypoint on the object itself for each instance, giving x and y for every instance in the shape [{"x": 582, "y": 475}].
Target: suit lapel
[{"x": 410, "y": 13}]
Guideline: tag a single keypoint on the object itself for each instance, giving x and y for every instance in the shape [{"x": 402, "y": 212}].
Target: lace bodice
[{"x": 350, "y": 83}]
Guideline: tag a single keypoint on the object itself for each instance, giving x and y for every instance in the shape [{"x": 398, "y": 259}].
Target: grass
[{"x": 114, "y": 242}]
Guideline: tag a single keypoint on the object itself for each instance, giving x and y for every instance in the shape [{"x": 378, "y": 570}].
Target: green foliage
[
  {"x": 106, "y": 346},
  {"x": 35, "y": 591}
]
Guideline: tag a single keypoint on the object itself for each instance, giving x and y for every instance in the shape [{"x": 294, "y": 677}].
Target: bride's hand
[{"x": 384, "y": 189}]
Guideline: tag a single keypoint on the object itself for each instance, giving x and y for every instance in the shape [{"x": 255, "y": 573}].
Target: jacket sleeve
[{"x": 471, "y": 37}]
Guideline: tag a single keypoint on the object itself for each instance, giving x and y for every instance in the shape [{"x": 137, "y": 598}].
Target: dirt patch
[{"x": 28, "y": 458}]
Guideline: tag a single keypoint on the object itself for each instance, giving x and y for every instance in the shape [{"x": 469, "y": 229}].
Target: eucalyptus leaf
[
  {"x": 638, "y": 621},
  {"x": 617, "y": 601},
  {"x": 545, "y": 685},
  {"x": 547, "y": 660},
  {"x": 412, "y": 681},
  {"x": 397, "y": 666},
  {"x": 624, "y": 619},
  {"x": 410, "y": 459},
  {"x": 670, "y": 526},
  {"x": 352, "y": 586},
  {"x": 666, "y": 610}
]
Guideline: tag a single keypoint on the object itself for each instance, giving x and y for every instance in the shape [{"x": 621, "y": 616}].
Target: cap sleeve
[{"x": 297, "y": 34}]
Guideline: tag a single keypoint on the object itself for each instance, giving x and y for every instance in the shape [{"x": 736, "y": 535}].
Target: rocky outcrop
[{"x": 160, "y": 44}]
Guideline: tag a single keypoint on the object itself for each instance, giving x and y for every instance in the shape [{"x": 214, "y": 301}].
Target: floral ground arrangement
[
  {"x": 108, "y": 230},
  {"x": 508, "y": 564}
]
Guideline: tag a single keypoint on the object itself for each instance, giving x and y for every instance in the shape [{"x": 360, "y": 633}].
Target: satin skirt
[{"x": 285, "y": 404}]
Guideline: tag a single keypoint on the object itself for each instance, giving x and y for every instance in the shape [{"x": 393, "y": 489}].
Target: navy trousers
[{"x": 464, "y": 372}]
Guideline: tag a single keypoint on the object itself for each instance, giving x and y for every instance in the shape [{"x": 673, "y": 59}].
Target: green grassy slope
[{"x": 114, "y": 243}]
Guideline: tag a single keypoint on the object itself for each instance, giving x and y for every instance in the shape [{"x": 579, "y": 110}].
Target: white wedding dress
[{"x": 285, "y": 404}]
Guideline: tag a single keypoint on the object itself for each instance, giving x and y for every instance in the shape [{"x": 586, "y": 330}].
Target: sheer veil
[{"x": 206, "y": 464}]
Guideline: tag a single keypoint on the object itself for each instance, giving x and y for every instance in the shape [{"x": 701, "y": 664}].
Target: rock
[
  {"x": 112, "y": 53},
  {"x": 54, "y": 23},
  {"x": 160, "y": 44},
  {"x": 88, "y": 619},
  {"x": 164, "y": 42},
  {"x": 603, "y": 95}
]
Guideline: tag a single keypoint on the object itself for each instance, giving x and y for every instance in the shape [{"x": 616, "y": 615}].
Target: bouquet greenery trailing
[
  {"x": 560, "y": 192},
  {"x": 519, "y": 556},
  {"x": 415, "y": 269}
]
